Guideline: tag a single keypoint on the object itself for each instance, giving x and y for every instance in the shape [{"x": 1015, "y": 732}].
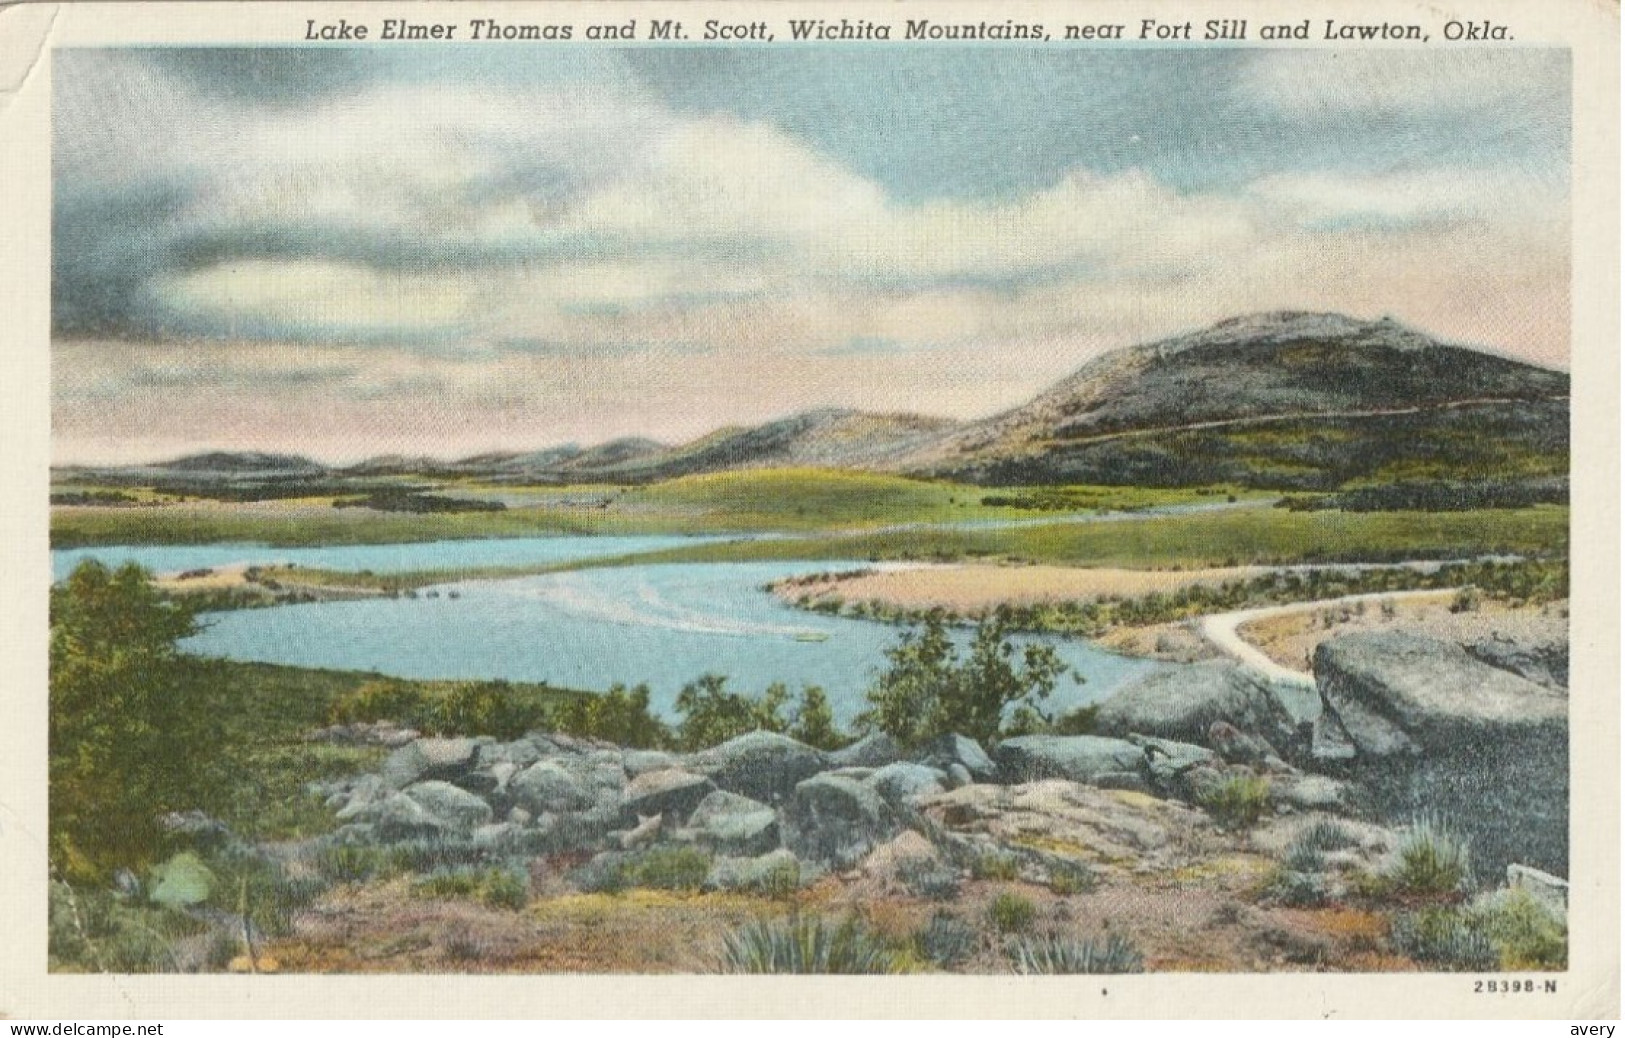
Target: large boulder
[
  {"x": 1090, "y": 759},
  {"x": 1545, "y": 662},
  {"x": 960, "y": 757},
  {"x": 394, "y": 816},
  {"x": 900, "y": 782},
  {"x": 550, "y": 786},
  {"x": 733, "y": 825},
  {"x": 671, "y": 792},
  {"x": 444, "y": 759},
  {"x": 1428, "y": 729},
  {"x": 837, "y": 821},
  {"x": 454, "y": 808},
  {"x": 1183, "y": 702},
  {"x": 875, "y": 750},
  {"x": 1168, "y": 762},
  {"x": 764, "y": 766}
]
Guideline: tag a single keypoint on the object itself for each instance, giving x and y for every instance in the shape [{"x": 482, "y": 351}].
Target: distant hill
[
  {"x": 251, "y": 463},
  {"x": 1284, "y": 400}
]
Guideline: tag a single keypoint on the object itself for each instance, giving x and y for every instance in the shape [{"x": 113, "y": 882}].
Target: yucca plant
[
  {"x": 807, "y": 945},
  {"x": 1431, "y": 859},
  {"x": 1054, "y": 954},
  {"x": 946, "y": 940},
  {"x": 1443, "y": 937}
]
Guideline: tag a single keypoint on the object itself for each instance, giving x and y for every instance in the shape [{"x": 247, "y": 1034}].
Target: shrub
[
  {"x": 353, "y": 863},
  {"x": 1082, "y": 721},
  {"x": 815, "y": 722},
  {"x": 1430, "y": 859},
  {"x": 379, "y": 701},
  {"x": 1069, "y": 878},
  {"x": 1010, "y": 912},
  {"x": 807, "y": 945},
  {"x": 497, "y": 888},
  {"x": 1296, "y": 888},
  {"x": 1324, "y": 834},
  {"x": 1237, "y": 801},
  {"x": 671, "y": 868},
  {"x": 620, "y": 716},
  {"x": 780, "y": 881},
  {"x": 712, "y": 715},
  {"x": 946, "y": 940},
  {"x": 929, "y": 878},
  {"x": 1053, "y": 954},
  {"x": 928, "y": 691},
  {"x": 1525, "y": 933},
  {"x": 1443, "y": 937},
  {"x": 1000, "y": 865}
]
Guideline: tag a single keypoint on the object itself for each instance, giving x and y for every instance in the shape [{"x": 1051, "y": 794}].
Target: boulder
[
  {"x": 897, "y": 783},
  {"x": 764, "y": 766},
  {"x": 1546, "y": 663},
  {"x": 1168, "y": 762},
  {"x": 671, "y": 792},
  {"x": 1426, "y": 729},
  {"x": 394, "y": 816},
  {"x": 1237, "y": 746},
  {"x": 875, "y": 750},
  {"x": 1089, "y": 759},
  {"x": 733, "y": 825},
  {"x": 637, "y": 762},
  {"x": 947, "y": 751},
  {"x": 836, "y": 821},
  {"x": 550, "y": 786},
  {"x": 1183, "y": 702},
  {"x": 1551, "y": 891},
  {"x": 454, "y": 808},
  {"x": 1311, "y": 792},
  {"x": 776, "y": 872},
  {"x": 444, "y": 759}
]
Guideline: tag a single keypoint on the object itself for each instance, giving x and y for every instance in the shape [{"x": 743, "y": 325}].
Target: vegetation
[
  {"x": 1438, "y": 496},
  {"x": 1430, "y": 859},
  {"x": 1010, "y": 912},
  {"x": 668, "y": 868},
  {"x": 396, "y": 499},
  {"x": 135, "y": 726},
  {"x": 1236, "y": 801},
  {"x": 1525, "y": 933},
  {"x": 928, "y": 691},
  {"x": 713, "y": 715},
  {"x": 1053, "y": 954},
  {"x": 1443, "y": 937},
  {"x": 946, "y": 940},
  {"x": 808, "y": 944},
  {"x": 493, "y": 887}
]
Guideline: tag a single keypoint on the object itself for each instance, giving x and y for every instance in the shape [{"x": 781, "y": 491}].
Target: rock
[
  {"x": 1311, "y": 792},
  {"x": 638, "y": 762},
  {"x": 1168, "y": 761},
  {"x": 496, "y": 836},
  {"x": 959, "y": 775},
  {"x": 421, "y": 759},
  {"x": 907, "y": 852},
  {"x": 1078, "y": 758},
  {"x": 392, "y": 817},
  {"x": 644, "y": 834},
  {"x": 776, "y": 872},
  {"x": 181, "y": 882},
  {"x": 1551, "y": 891},
  {"x": 520, "y": 753},
  {"x": 875, "y": 750},
  {"x": 549, "y": 786},
  {"x": 836, "y": 821},
  {"x": 1424, "y": 728},
  {"x": 1183, "y": 702},
  {"x": 450, "y": 806},
  {"x": 1073, "y": 822},
  {"x": 733, "y": 825},
  {"x": 897, "y": 783},
  {"x": 1236, "y": 746},
  {"x": 1546, "y": 663},
  {"x": 671, "y": 792},
  {"x": 764, "y": 766},
  {"x": 197, "y": 827},
  {"x": 945, "y": 751}
]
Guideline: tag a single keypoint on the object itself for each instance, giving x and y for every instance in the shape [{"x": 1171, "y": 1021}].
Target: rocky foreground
[{"x": 1208, "y": 823}]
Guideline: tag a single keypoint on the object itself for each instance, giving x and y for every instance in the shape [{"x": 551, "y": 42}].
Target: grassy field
[
  {"x": 1243, "y": 537},
  {"x": 777, "y": 500}
]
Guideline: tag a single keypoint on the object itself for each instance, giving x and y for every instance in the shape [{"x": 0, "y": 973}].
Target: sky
[{"x": 449, "y": 249}]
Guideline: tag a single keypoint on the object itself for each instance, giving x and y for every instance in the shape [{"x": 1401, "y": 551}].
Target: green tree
[
  {"x": 929, "y": 691},
  {"x": 713, "y": 715},
  {"x": 132, "y": 732},
  {"x": 815, "y": 722},
  {"x": 620, "y": 715}
]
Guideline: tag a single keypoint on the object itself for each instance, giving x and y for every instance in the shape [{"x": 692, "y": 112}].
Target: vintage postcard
[{"x": 1073, "y": 509}]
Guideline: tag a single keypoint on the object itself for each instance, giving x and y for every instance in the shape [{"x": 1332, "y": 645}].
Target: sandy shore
[{"x": 971, "y": 588}]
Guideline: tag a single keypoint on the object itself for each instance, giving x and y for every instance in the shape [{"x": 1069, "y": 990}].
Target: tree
[
  {"x": 713, "y": 715},
  {"x": 815, "y": 722},
  {"x": 132, "y": 733},
  {"x": 928, "y": 691}
]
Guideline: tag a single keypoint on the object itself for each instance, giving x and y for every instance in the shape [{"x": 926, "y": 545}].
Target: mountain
[
  {"x": 246, "y": 463},
  {"x": 1283, "y": 399}
]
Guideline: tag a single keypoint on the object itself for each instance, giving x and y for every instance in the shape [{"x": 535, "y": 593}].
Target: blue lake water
[
  {"x": 661, "y": 624},
  {"x": 380, "y": 558}
]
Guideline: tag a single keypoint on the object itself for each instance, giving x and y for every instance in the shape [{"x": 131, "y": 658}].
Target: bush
[
  {"x": 807, "y": 945},
  {"x": 620, "y": 716},
  {"x": 96, "y": 930},
  {"x": 1000, "y": 865},
  {"x": 380, "y": 701},
  {"x": 1430, "y": 859},
  {"x": 1070, "y": 878},
  {"x": 1052, "y": 954},
  {"x": 497, "y": 888},
  {"x": 712, "y": 715},
  {"x": 815, "y": 722},
  {"x": 1082, "y": 721},
  {"x": 670, "y": 868},
  {"x": 1009, "y": 912},
  {"x": 1237, "y": 801},
  {"x": 928, "y": 691},
  {"x": 929, "y": 878},
  {"x": 1443, "y": 937},
  {"x": 1525, "y": 933},
  {"x": 1324, "y": 834},
  {"x": 1296, "y": 888},
  {"x": 946, "y": 940}
]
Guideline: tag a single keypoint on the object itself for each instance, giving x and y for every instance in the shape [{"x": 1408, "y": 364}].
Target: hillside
[{"x": 1285, "y": 400}]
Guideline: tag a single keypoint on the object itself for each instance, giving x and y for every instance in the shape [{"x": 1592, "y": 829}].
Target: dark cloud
[{"x": 276, "y": 76}]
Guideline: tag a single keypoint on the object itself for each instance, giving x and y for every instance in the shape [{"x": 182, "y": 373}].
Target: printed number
[{"x": 1514, "y": 987}]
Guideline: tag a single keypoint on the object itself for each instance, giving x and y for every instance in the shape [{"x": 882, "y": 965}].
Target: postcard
[{"x": 716, "y": 509}]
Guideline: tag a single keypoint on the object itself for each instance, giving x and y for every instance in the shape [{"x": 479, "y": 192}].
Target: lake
[{"x": 661, "y": 624}]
